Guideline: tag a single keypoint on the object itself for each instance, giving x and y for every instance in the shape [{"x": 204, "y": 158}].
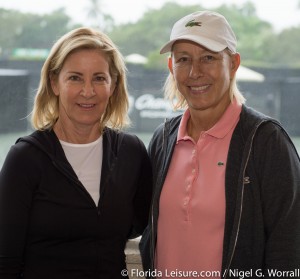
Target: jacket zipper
[
  {"x": 152, "y": 239},
  {"x": 245, "y": 181},
  {"x": 237, "y": 233},
  {"x": 164, "y": 143}
]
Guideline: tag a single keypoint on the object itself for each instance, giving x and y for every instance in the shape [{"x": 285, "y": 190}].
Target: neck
[
  {"x": 80, "y": 135},
  {"x": 201, "y": 121}
]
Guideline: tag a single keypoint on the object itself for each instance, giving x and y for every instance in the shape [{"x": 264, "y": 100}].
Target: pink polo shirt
[{"x": 192, "y": 203}]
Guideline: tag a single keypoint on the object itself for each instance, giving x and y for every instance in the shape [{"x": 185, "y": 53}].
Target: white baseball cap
[{"x": 205, "y": 28}]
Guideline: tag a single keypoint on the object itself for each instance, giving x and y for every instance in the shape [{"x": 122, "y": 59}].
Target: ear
[
  {"x": 54, "y": 86},
  {"x": 170, "y": 64},
  {"x": 235, "y": 63}
]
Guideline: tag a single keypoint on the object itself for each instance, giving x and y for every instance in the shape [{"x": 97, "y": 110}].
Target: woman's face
[
  {"x": 83, "y": 86},
  {"x": 202, "y": 76}
]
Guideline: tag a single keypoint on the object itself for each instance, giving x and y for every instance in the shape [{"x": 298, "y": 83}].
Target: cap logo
[{"x": 192, "y": 23}]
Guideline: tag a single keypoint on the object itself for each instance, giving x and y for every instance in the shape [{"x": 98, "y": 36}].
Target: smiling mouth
[
  {"x": 199, "y": 88},
  {"x": 86, "y": 106}
]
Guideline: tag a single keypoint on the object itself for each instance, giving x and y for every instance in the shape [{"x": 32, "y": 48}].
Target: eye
[
  {"x": 208, "y": 58},
  {"x": 100, "y": 79},
  {"x": 75, "y": 78},
  {"x": 183, "y": 61}
]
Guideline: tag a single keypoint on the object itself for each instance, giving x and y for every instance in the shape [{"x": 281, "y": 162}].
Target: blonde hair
[
  {"x": 178, "y": 101},
  {"x": 46, "y": 104}
]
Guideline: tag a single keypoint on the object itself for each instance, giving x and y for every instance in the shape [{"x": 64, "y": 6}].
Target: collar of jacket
[{"x": 48, "y": 143}]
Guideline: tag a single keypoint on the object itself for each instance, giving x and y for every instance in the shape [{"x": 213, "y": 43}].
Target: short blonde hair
[
  {"x": 46, "y": 103},
  {"x": 178, "y": 101}
]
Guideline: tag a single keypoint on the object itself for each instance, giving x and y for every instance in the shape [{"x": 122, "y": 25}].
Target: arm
[
  {"x": 18, "y": 178},
  {"x": 278, "y": 170},
  {"x": 143, "y": 195}
]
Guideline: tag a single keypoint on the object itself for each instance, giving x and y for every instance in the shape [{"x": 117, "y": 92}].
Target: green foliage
[
  {"x": 151, "y": 31},
  {"x": 283, "y": 49},
  {"x": 26, "y": 30},
  {"x": 258, "y": 44},
  {"x": 97, "y": 17},
  {"x": 251, "y": 32},
  {"x": 254, "y": 35},
  {"x": 42, "y": 31}
]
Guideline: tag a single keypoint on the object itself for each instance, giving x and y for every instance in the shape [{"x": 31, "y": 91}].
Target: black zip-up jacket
[
  {"x": 262, "y": 188},
  {"x": 50, "y": 227}
]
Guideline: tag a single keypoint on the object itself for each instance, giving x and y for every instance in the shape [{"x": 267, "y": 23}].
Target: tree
[
  {"x": 98, "y": 18},
  {"x": 283, "y": 49},
  {"x": 14, "y": 20},
  {"x": 257, "y": 42},
  {"x": 40, "y": 31},
  {"x": 151, "y": 31},
  {"x": 251, "y": 31},
  {"x": 27, "y": 30},
  {"x": 148, "y": 34}
]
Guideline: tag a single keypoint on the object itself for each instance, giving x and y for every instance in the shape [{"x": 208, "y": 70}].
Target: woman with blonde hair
[
  {"x": 69, "y": 198},
  {"x": 223, "y": 199}
]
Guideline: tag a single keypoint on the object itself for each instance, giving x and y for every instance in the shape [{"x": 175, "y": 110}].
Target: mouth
[
  {"x": 86, "y": 106},
  {"x": 200, "y": 89}
]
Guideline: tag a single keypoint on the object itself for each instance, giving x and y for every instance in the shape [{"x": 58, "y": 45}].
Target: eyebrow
[
  {"x": 81, "y": 74},
  {"x": 74, "y": 72},
  {"x": 181, "y": 52},
  {"x": 204, "y": 52}
]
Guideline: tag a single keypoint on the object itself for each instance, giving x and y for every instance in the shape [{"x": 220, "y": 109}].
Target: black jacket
[
  {"x": 262, "y": 188},
  {"x": 50, "y": 226}
]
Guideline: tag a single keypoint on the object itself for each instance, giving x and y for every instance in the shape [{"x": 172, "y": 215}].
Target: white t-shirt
[{"x": 86, "y": 160}]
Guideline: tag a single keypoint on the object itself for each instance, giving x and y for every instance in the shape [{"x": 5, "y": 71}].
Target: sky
[{"x": 281, "y": 14}]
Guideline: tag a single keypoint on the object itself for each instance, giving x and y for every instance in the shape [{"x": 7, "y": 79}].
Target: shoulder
[
  {"x": 23, "y": 156},
  {"x": 268, "y": 133},
  {"x": 133, "y": 141},
  {"x": 254, "y": 122},
  {"x": 44, "y": 142},
  {"x": 169, "y": 127},
  {"x": 23, "y": 145},
  {"x": 165, "y": 131},
  {"x": 45, "y": 138},
  {"x": 273, "y": 136},
  {"x": 265, "y": 125},
  {"x": 121, "y": 139},
  {"x": 250, "y": 118}
]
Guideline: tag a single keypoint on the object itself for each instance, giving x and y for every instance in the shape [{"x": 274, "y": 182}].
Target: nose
[
  {"x": 87, "y": 90},
  {"x": 196, "y": 70}
]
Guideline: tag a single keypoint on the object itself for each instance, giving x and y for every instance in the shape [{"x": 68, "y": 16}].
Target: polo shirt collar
[{"x": 220, "y": 129}]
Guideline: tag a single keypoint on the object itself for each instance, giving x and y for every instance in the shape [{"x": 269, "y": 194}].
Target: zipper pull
[{"x": 246, "y": 180}]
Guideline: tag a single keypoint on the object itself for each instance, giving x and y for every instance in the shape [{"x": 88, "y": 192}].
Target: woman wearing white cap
[{"x": 227, "y": 179}]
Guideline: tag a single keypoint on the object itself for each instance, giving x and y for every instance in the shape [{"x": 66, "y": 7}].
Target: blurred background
[{"x": 268, "y": 36}]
